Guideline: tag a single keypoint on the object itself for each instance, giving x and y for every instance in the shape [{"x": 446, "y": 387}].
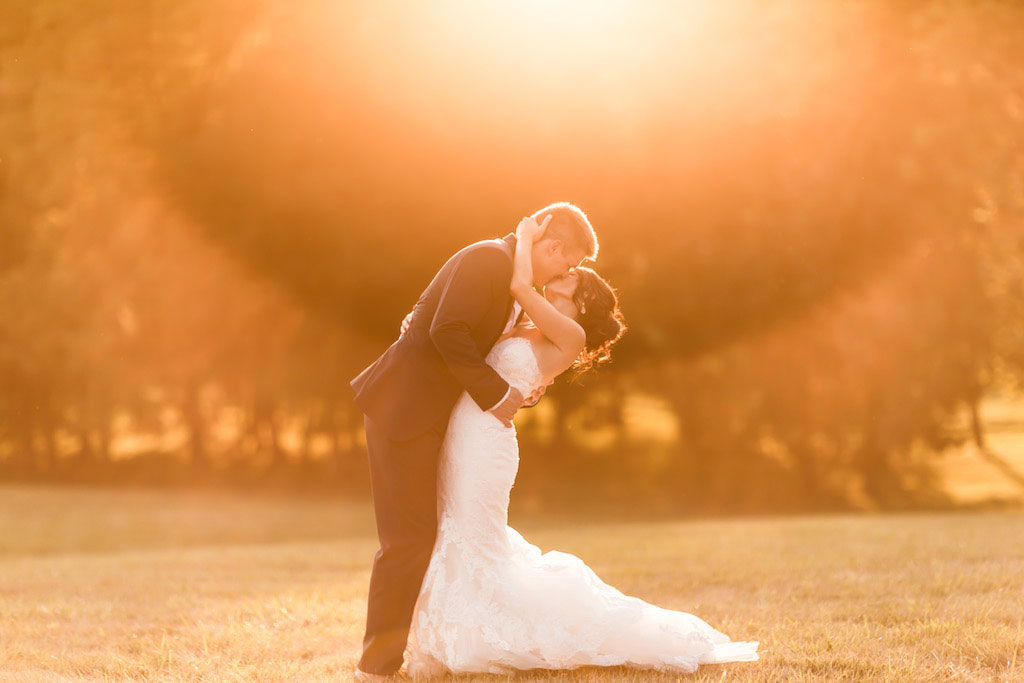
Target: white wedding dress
[{"x": 491, "y": 602}]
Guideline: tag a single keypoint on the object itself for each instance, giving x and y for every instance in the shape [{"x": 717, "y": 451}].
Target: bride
[{"x": 491, "y": 602}]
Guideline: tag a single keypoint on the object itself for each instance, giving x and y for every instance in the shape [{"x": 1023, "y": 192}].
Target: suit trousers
[{"x": 403, "y": 480}]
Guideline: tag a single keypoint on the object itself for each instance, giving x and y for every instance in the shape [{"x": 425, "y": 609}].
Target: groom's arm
[{"x": 476, "y": 281}]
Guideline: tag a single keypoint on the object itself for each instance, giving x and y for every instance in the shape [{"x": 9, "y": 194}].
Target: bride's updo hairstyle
[{"x": 599, "y": 316}]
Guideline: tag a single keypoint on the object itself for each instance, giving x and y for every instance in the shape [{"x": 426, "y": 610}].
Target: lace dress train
[{"x": 491, "y": 602}]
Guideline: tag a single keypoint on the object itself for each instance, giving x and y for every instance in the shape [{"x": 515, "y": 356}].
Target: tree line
[{"x": 215, "y": 214}]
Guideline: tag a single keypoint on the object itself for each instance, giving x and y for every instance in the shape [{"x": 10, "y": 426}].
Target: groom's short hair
[{"x": 570, "y": 224}]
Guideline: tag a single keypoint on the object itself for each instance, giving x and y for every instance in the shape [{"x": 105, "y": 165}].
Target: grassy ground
[{"x": 104, "y": 585}]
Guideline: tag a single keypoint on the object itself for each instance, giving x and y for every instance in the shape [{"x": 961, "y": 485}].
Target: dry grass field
[{"x": 100, "y": 585}]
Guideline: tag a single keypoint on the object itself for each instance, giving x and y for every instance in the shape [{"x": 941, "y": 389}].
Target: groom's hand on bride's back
[
  {"x": 533, "y": 398},
  {"x": 506, "y": 410}
]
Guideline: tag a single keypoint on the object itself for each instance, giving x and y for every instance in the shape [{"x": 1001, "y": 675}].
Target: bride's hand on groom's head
[{"x": 529, "y": 231}]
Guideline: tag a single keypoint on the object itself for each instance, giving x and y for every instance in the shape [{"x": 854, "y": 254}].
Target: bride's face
[{"x": 562, "y": 287}]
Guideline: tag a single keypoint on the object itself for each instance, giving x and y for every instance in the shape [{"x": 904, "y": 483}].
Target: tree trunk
[
  {"x": 194, "y": 420},
  {"x": 977, "y": 430},
  {"x": 330, "y": 423},
  {"x": 266, "y": 431},
  {"x": 279, "y": 459},
  {"x": 27, "y": 460},
  {"x": 991, "y": 457},
  {"x": 86, "y": 453},
  {"x": 309, "y": 429},
  {"x": 49, "y": 428},
  {"x": 560, "y": 432},
  {"x": 871, "y": 454},
  {"x": 105, "y": 435},
  {"x": 807, "y": 466}
]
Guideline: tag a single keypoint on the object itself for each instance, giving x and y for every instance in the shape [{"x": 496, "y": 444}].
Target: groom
[{"x": 408, "y": 393}]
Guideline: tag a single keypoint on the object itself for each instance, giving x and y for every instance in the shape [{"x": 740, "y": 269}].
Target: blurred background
[{"x": 214, "y": 213}]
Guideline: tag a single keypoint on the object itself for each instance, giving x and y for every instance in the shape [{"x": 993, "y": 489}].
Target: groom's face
[{"x": 553, "y": 258}]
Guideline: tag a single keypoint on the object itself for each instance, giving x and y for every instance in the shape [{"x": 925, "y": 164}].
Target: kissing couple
[{"x": 454, "y": 589}]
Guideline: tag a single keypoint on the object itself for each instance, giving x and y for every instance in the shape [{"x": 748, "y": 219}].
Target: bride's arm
[{"x": 564, "y": 332}]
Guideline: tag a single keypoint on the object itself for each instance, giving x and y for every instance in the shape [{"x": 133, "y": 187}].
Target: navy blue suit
[{"x": 407, "y": 396}]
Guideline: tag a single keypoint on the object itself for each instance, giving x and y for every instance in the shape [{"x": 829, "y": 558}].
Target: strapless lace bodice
[{"x": 515, "y": 361}]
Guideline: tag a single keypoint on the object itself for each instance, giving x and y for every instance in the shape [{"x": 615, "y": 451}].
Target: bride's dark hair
[{"x": 599, "y": 316}]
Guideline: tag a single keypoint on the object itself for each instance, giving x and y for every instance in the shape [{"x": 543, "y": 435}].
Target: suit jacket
[{"x": 457, "y": 319}]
